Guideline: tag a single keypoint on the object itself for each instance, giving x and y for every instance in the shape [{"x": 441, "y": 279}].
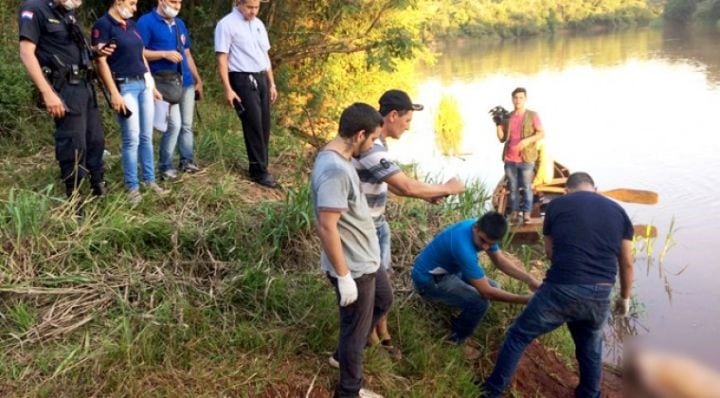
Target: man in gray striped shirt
[{"x": 378, "y": 174}]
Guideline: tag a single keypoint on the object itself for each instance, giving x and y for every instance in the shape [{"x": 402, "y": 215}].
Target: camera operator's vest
[{"x": 530, "y": 153}]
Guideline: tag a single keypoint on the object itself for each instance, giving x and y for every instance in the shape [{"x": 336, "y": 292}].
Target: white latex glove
[
  {"x": 622, "y": 307},
  {"x": 348, "y": 289}
]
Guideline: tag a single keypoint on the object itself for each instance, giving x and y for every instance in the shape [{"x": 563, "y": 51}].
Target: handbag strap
[{"x": 178, "y": 46}]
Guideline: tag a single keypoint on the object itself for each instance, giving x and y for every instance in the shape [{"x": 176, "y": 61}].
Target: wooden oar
[
  {"x": 645, "y": 230},
  {"x": 628, "y": 195}
]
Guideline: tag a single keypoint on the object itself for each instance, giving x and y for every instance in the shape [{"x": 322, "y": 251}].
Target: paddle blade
[
  {"x": 645, "y": 231},
  {"x": 632, "y": 196}
]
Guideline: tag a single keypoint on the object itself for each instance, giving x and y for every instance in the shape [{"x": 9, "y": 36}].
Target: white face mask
[
  {"x": 125, "y": 12},
  {"x": 71, "y": 4},
  {"x": 169, "y": 11}
]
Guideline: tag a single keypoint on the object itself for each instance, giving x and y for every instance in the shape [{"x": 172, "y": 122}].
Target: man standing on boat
[
  {"x": 587, "y": 237},
  {"x": 520, "y": 133}
]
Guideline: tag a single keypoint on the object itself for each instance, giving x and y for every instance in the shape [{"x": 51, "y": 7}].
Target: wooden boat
[{"x": 549, "y": 183}]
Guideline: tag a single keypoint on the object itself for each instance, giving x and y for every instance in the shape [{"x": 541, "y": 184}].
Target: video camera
[{"x": 499, "y": 114}]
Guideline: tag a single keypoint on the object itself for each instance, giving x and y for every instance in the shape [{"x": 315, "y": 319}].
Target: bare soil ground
[{"x": 541, "y": 373}]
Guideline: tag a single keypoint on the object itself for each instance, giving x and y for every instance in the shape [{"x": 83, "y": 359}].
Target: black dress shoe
[
  {"x": 266, "y": 180},
  {"x": 99, "y": 189}
]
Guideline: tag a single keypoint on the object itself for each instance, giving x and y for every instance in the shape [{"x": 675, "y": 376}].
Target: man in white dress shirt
[{"x": 241, "y": 46}]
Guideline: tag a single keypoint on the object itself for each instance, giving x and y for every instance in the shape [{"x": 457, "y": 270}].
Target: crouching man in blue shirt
[{"x": 447, "y": 271}]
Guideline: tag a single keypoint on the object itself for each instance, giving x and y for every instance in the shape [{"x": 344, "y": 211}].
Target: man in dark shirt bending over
[{"x": 586, "y": 237}]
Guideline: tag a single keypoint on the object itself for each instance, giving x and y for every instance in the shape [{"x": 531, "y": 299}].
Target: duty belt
[{"x": 74, "y": 74}]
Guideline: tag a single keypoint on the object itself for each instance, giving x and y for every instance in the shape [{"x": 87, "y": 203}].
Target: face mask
[
  {"x": 125, "y": 12},
  {"x": 70, "y": 4},
  {"x": 169, "y": 11}
]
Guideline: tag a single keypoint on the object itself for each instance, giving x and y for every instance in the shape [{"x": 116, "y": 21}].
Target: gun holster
[{"x": 55, "y": 78}]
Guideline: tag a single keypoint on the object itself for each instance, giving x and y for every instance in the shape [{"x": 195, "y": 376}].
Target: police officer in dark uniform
[{"x": 57, "y": 58}]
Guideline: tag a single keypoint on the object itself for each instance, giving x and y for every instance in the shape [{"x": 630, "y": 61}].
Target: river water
[{"x": 638, "y": 109}]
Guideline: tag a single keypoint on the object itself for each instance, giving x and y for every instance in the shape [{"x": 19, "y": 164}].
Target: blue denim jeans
[
  {"x": 584, "y": 308},
  {"x": 520, "y": 175},
  {"x": 179, "y": 132},
  {"x": 137, "y": 133},
  {"x": 453, "y": 291},
  {"x": 383, "y": 234}
]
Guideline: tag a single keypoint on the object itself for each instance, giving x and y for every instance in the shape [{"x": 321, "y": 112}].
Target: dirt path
[{"x": 541, "y": 373}]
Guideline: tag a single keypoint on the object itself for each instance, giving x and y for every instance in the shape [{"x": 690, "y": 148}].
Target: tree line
[{"x": 326, "y": 51}]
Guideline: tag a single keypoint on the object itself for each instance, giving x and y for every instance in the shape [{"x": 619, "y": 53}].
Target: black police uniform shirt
[
  {"x": 127, "y": 59},
  {"x": 47, "y": 25}
]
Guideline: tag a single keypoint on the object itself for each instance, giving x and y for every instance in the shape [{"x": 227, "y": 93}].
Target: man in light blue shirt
[
  {"x": 447, "y": 271},
  {"x": 241, "y": 46}
]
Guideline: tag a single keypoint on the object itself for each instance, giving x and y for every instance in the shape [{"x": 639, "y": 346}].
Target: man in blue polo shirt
[
  {"x": 167, "y": 47},
  {"x": 586, "y": 237},
  {"x": 447, "y": 271}
]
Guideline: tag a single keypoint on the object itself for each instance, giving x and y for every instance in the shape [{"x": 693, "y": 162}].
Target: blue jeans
[
  {"x": 383, "y": 234},
  {"x": 179, "y": 131},
  {"x": 520, "y": 175},
  {"x": 137, "y": 133},
  {"x": 453, "y": 291},
  {"x": 584, "y": 308}
]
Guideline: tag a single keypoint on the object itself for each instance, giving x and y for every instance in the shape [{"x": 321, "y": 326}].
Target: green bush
[{"x": 448, "y": 126}]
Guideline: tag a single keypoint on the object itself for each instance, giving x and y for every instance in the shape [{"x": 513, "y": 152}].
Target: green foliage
[
  {"x": 472, "y": 203},
  {"x": 514, "y": 18},
  {"x": 20, "y": 316},
  {"x": 24, "y": 213},
  {"x": 679, "y": 11},
  {"x": 708, "y": 12},
  {"x": 16, "y": 103},
  {"x": 284, "y": 223},
  {"x": 448, "y": 126}
]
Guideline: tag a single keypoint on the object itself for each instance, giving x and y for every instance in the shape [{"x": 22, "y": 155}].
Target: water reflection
[
  {"x": 470, "y": 59},
  {"x": 694, "y": 46},
  {"x": 535, "y": 55}
]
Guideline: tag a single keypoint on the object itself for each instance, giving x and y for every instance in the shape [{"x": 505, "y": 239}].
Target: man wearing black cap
[{"x": 378, "y": 173}]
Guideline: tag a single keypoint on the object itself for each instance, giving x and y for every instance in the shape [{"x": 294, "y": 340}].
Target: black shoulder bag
[{"x": 168, "y": 81}]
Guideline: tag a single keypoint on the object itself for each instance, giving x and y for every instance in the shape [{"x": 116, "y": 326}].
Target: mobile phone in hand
[
  {"x": 197, "y": 96},
  {"x": 239, "y": 108},
  {"x": 126, "y": 113},
  {"x": 111, "y": 42}
]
